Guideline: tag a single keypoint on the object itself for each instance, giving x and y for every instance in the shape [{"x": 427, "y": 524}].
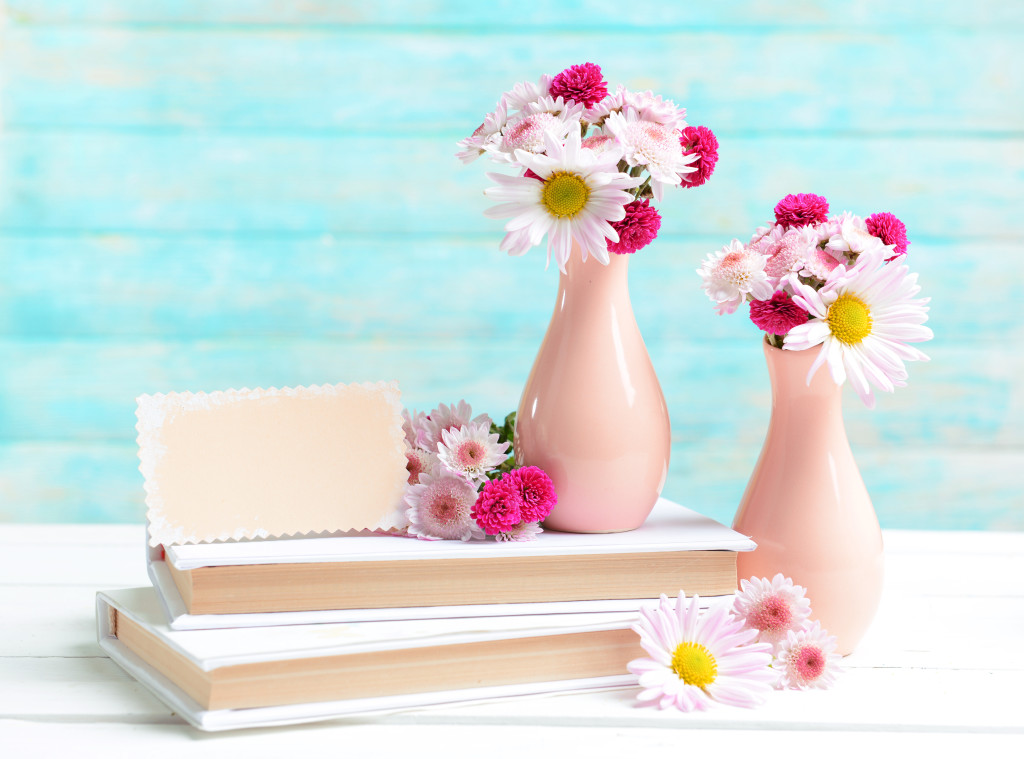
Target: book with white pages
[
  {"x": 246, "y": 677},
  {"x": 374, "y": 577}
]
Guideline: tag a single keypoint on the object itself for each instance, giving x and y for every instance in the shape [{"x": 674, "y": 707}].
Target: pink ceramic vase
[
  {"x": 806, "y": 506},
  {"x": 592, "y": 414}
]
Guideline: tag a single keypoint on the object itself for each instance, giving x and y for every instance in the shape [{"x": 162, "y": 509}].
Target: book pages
[{"x": 269, "y": 463}]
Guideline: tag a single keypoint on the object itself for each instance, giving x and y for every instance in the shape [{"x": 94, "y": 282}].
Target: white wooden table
[{"x": 940, "y": 668}]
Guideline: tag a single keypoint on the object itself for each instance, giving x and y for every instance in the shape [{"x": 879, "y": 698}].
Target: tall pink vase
[
  {"x": 592, "y": 414},
  {"x": 806, "y": 506}
]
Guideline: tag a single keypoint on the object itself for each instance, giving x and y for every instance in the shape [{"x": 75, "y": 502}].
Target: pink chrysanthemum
[
  {"x": 581, "y": 83},
  {"x": 696, "y": 658},
  {"x": 787, "y": 254},
  {"x": 520, "y": 533},
  {"x": 637, "y": 229},
  {"x": 419, "y": 461},
  {"x": 890, "y": 231},
  {"x": 772, "y": 607},
  {"x": 777, "y": 315},
  {"x": 498, "y": 507},
  {"x": 471, "y": 451},
  {"x": 601, "y": 143},
  {"x": 412, "y": 425},
  {"x": 536, "y": 492},
  {"x": 732, "y": 273},
  {"x": 440, "y": 507},
  {"x": 702, "y": 141},
  {"x": 450, "y": 418},
  {"x": 801, "y": 209},
  {"x": 807, "y": 659}
]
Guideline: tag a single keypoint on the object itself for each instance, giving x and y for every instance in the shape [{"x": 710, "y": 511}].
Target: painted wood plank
[
  {"x": 568, "y": 15},
  {"x": 911, "y": 487},
  {"x": 86, "y": 389},
  {"x": 393, "y": 738},
  {"x": 332, "y": 78},
  {"x": 863, "y": 699},
  {"x": 132, "y": 182},
  {"x": 332, "y": 287}
]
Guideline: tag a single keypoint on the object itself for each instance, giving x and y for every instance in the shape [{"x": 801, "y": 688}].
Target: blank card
[{"x": 271, "y": 463}]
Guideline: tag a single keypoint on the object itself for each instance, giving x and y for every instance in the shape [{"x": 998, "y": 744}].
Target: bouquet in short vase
[{"x": 836, "y": 302}]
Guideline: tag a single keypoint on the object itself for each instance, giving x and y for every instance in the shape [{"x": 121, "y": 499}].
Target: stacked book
[{"x": 251, "y": 622}]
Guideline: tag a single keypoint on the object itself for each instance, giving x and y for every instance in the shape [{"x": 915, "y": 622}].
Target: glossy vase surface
[
  {"x": 592, "y": 414},
  {"x": 806, "y": 506}
]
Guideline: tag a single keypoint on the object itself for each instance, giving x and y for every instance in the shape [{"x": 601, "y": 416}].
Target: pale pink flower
[
  {"x": 484, "y": 136},
  {"x": 787, "y": 254},
  {"x": 772, "y": 607},
  {"x": 520, "y": 533},
  {"x": 807, "y": 659},
  {"x": 697, "y": 658},
  {"x": 419, "y": 461},
  {"x": 524, "y": 93},
  {"x": 447, "y": 418},
  {"x": 440, "y": 507},
  {"x": 652, "y": 107},
  {"x": 412, "y": 426},
  {"x": 529, "y": 132},
  {"x": 471, "y": 451},
  {"x": 651, "y": 145},
  {"x": 733, "y": 273},
  {"x": 613, "y": 102}
]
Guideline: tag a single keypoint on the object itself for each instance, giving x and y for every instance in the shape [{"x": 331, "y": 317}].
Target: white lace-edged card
[{"x": 270, "y": 463}]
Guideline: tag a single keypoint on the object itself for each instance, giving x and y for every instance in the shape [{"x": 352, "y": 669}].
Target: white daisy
[
  {"x": 697, "y": 658},
  {"x": 578, "y": 195},
  {"x": 863, "y": 319},
  {"x": 651, "y": 145},
  {"x": 734, "y": 272},
  {"x": 440, "y": 507},
  {"x": 471, "y": 451},
  {"x": 772, "y": 607},
  {"x": 485, "y": 135},
  {"x": 446, "y": 417},
  {"x": 807, "y": 659}
]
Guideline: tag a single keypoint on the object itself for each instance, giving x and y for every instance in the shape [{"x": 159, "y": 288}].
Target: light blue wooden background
[{"x": 202, "y": 195}]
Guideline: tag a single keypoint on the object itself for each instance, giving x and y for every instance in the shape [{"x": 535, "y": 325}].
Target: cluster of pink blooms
[
  {"x": 595, "y": 159},
  {"x": 732, "y": 655},
  {"x": 838, "y": 281},
  {"x": 461, "y": 485}
]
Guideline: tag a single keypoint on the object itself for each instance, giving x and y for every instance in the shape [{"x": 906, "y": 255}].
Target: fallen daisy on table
[
  {"x": 698, "y": 658},
  {"x": 725, "y": 654}
]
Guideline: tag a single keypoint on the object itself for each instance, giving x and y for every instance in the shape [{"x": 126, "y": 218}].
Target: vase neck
[
  {"x": 592, "y": 285},
  {"x": 790, "y": 390}
]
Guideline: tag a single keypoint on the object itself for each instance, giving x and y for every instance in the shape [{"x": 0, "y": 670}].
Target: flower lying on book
[
  {"x": 732, "y": 655},
  {"x": 838, "y": 282},
  {"x": 463, "y": 484},
  {"x": 582, "y": 188}
]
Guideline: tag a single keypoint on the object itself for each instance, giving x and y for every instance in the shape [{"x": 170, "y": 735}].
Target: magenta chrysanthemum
[
  {"x": 581, "y": 83},
  {"x": 637, "y": 229},
  {"x": 890, "y": 231},
  {"x": 498, "y": 507},
  {"x": 536, "y": 492},
  {"x": 777, "y": 315},
  {"x": 702, "y": 141},
  {"x": 801, "y": 209}
]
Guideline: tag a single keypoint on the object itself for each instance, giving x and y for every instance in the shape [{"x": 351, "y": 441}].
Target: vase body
[
  {"x": 806, "y": 506},
  {"x": 592, "y": 414}
]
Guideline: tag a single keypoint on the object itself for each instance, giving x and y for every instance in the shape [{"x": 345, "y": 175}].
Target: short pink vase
[
  {"x": 806, "y": 506},
  {"x": 592, "y": 414}
]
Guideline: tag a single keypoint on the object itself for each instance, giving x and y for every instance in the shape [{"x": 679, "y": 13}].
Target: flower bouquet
[
  {"x": 586, "y": 164},
  {"x": 829, "y": 290},
  {"x": 462, "y": 482}
]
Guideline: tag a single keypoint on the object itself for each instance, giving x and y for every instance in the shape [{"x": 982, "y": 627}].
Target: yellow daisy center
[
  {"x": 849, "y": 319},
  {"x": 694, "y": 664},
  {"x": 565, "y": 193}
]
